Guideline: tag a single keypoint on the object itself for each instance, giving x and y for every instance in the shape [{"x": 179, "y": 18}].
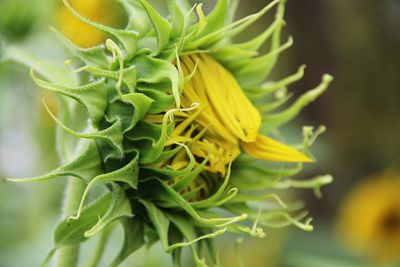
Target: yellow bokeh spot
[
  {"x": 100, "y": 11},
  {"x": 369, "y": 218}
]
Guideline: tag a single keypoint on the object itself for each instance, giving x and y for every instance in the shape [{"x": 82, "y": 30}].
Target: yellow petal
[
  {"x": 226, "y": 108},
  {"x": 266, "y": 148}
]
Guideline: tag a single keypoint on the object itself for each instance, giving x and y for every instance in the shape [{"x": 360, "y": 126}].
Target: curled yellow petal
[
  {"x": 227, "y": 108},
  {"x": 266, "y": 148},
  {"x": 229, "y": 116}
]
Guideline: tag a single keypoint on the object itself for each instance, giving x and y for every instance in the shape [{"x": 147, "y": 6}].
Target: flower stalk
[{"x": 68, "y": 256}]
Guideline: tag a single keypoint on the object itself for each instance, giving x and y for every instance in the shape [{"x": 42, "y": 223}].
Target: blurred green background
[{"x": 358, "y": 42}]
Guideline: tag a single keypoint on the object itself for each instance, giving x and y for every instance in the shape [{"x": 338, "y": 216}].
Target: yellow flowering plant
[
  {"x": 178, "y": 130},
  {"x": 369, "y": 219}
]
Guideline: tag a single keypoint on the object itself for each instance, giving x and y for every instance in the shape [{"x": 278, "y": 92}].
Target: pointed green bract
[
  {"x": 161, "y": 26},
  {"x": 133, "y": 239},
  {"x": 91, "y": 96}
]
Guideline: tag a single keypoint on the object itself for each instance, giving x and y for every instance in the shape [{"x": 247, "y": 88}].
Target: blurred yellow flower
[
  {"x": 369, "y": 219},
  {"x": 82, "y": 34}
]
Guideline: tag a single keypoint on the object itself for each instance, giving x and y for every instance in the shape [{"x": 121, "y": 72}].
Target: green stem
[
  {"x": 101, "y": 245},
  {"x": 68, "y": 256}
]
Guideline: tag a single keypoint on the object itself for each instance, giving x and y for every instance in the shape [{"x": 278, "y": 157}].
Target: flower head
[
  {"x": 175, "y": 110},
  {"x": 225, "y": 116}
]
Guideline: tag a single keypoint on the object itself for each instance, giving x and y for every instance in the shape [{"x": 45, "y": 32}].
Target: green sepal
[
  {"x": 52, "y": 72},
  {"x": 159, "y": 221},
  {"x": 217, "y": 198},
  {"x": 247, "y": 167},
  {"x": 210, "y": 251},
  {"x": 141, "y": 104},
  {"x": 93, "y": 56},
  {"x": 222, "y": 34},
  {"x": 119, "y": 111},
  {"x": 195, "y": 235},
  {"x": 184, "y": 181},
  {"x": 275, "y": 49},
  {"x": 217, "y": 18},
  {"x": 171, "y": 173},
  {"x": 153, "y": 71},
  {"x": 112, "y": 206},
  {"x": 145, "y": 131},
  {"x": 92, "y": 96},
  {"x": 120, "y": 207},
  {"x": 273, "y": 121},
  {"x": 272, "y": 87},
  {"x": 278, "y": 88},
  {"x": 167, "y": 155},
  {"x": 161, "y": 101},
  {"x": 226, "y": 53},
  {"x": 127, "y": 174},
  {"x": 176, "y": 257},
  {"x": 130, "y": 109},
  {"x": 85, "y": 166},
  {"x": 162, "y": 192},
  {"x": 258, "y": 196},
  {"x": 274, "y": 105},
  {"x": 138, "y": 19},
  {"x": 189, "y": 233},
  {"x": 150, "y": 139},
  {"x": 160, "y": 24},
  {"x": 133, "y": 239},
  {"x": 273, "y": 218},
  {"x": 147, "y": 45},
  {"x": 253, "y": 71},
  {"x": 315, "y": 183},
  {"x": 256, "y": 43},
  {"x": 180, "y": 16},
  {"x": 129, "y": 76},
  {"x": 112, "y": 135},
  {"x": 221, "y": 198}
]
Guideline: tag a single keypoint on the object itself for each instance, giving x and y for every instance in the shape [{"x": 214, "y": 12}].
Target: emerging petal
[
  {"x": 229, "y": 112},
  {"x": 268, "y": 149}
]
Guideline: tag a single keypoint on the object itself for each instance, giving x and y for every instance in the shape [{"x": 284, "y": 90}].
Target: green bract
[{"x": 137, "y": 73}]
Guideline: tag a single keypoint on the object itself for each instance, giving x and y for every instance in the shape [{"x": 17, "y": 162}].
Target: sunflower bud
[{"x": 174, "y": 130}]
